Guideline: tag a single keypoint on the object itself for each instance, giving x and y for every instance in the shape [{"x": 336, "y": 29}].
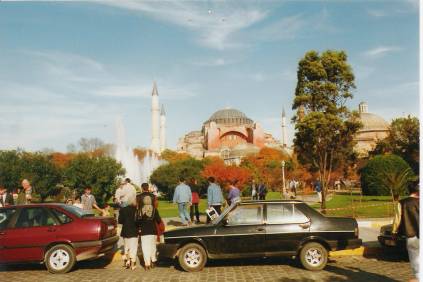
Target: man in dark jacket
[
  {"x": 129, "y": 234},
  {"x": 6, "y": 199},
  {"x": 406, "y": 222}
]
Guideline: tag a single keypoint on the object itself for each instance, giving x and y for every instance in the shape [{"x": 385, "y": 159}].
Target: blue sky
[{"x": 69, "y": 69}]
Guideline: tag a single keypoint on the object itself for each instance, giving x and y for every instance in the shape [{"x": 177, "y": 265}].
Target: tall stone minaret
[
  {"x": 155, "y": 119},
  {"x": 162, "y": 129},
  {"x": 284, "y": 137}
]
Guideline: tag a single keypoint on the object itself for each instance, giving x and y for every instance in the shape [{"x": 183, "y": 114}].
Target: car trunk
[{"x": 108, "y": 226}]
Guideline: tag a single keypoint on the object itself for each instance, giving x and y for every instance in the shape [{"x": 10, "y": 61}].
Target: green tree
[
  {"x": 10, "y": 169},
  {"x": 324, "y": 136},
  {"x": 403, "y": 140},
  {"x": 386, "y": 175},
  {"x": 166, "y": 177},
  {"x": 99, "y": 173},
  {"x": 44, "y": 176}
]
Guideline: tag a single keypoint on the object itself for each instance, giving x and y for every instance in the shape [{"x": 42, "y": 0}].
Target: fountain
[{"x": 138, "y": 171}]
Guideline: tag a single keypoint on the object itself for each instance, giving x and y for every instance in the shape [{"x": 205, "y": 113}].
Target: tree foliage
[
  {"x": 386, "y": 175},
  {"x": 172, "y": 156},
  {"x": 226, "y": 174},
  {"x": 11, "y": 169},
  {"x": 324, "y": 136},
  {"x": 166, "y": 177},
  {"x": 403, "y": 140},
  {"x": 99, "y": 173}
]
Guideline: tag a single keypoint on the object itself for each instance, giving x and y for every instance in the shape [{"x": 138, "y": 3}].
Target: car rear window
[
  {"x": 63, "y": 218},
  {"x": 77, "y": 211}
]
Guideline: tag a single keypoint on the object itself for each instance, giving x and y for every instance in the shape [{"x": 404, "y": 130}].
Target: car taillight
[{"x": 103, "y": 230}]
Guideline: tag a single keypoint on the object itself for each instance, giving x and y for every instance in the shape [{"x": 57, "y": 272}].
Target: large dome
[
  {"x": 230, "y": 116},
  {"x": 372, "y": 122}
]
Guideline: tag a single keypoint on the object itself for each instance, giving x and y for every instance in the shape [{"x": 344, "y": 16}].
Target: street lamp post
[{"x": 283, "y": 177}]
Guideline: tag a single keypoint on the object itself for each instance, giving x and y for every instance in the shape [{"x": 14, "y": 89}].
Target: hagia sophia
[{"x": 232, "y": 135}]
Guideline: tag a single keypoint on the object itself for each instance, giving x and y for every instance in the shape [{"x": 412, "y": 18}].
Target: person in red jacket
[{"x": 195, "y": 201}]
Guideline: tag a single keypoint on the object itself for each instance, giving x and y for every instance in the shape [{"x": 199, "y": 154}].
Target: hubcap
[
  {"x": 192, "y": 257},
  {"x": 314, "y": 257},
  {"x": 59, "y": 259}
]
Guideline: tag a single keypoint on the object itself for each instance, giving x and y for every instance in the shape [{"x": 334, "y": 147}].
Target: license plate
[{"x": 390, "y": 243}]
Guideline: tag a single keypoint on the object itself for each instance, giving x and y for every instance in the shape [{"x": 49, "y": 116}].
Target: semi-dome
[{"x": 230, "y": 116}]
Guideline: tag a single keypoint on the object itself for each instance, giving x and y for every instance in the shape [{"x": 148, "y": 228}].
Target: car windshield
[
  {"x": 224, "y": 213},
  {"x": 77, "y": 211}
]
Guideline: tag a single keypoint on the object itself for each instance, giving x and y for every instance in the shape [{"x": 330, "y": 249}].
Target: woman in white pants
[
  {"x": 129, "y": 234},
  {"x": 147, "y": 220}
]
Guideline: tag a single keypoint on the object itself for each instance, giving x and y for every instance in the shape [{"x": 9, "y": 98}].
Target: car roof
[
  {"x": 36, "y": 205},
  {"x": 272, "y": 201}
]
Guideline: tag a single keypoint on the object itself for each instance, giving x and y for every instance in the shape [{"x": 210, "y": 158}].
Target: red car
[{"x": 57, "y": 235}]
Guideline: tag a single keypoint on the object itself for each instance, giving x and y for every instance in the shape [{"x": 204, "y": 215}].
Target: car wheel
[
  {"x": 192, "y": 257},
  {"x": 60, "y": 259},
  {"x": 313, "y": 256}
]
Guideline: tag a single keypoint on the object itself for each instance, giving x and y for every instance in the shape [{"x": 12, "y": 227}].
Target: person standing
[
  {"x": 406, "y": 223},
  {"x": 25, "y": 196},
  {"x": 183, "y": 198},
  {"x": 6, "y": 199},
  {"x": 234, "y": 192},
  {"x": 262, "y": 191},
  {"x": 253, "y": 191},
  {"x": 193, "y": 209},
  {"x": 318, "y": 189},
  {"x": 147, "y": 220},
  {"x": 88, "y": 201},
  {"x": 214, "y": 196},
  {"x": 129, "y": 234}
]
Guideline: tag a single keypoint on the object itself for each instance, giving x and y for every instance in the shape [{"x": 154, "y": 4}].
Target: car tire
[
  {"x": 192, "y": 257},
  {"x": 313, "y": 256},
  {"x": 60, "y": 259}
]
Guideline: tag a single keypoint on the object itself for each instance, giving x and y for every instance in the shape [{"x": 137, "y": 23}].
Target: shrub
[{"x": 386, "y": 175}]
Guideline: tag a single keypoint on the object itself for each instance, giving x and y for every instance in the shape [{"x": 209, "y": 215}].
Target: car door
[
  {"x": 286, "y": 227},
  {"x": 6, "y": 218},
  {"x": 242, "y": 231},
  {"x": 33, "y": 230}
]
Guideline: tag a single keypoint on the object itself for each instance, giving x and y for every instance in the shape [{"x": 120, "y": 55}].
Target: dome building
[
  {"x": 229, "y": 134},
  {"x": 374, "y": 129}
]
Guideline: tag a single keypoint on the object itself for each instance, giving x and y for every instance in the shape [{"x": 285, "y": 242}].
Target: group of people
[
  {"x": 188, "y": 196},
  {"x": 20, "y": 196},
  {"x": 140, "y": 220},
  {"x": 258, "y": 192}
]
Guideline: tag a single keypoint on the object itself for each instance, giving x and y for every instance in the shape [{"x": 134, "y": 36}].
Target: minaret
[
  {"x": 155, "y": 119},
  {"x": 162, "y": 129},
  {"x": 284, "y": 137}
]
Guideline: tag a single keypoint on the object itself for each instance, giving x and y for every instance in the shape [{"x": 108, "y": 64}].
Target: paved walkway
[{"x": 351, "y": 268}]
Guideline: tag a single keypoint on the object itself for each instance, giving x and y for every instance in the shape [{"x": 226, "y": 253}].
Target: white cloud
[
  {"x": 380, "y": 51},
  {"x": 214, "y": 23}
]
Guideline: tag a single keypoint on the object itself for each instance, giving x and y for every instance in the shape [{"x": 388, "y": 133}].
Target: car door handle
[
  {"x": 260, "y": 229},
  {"x": 304, "y": 225}
]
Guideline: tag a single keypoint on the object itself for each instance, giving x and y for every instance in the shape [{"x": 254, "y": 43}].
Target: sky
[{"x": 71, "y": 69}]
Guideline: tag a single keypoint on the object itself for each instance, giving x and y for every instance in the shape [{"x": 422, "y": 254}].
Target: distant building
[
  {"x": 374, "y": 129},
  {"x": 229, "y": 134}
]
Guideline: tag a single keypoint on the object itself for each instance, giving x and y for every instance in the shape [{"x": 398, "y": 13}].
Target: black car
[
  {"x": 386, "y": 239},
  {"x": 262, "y": 229}
]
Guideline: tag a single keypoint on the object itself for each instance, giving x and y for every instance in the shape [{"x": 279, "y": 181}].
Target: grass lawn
[{"x": 359, "y": 207}]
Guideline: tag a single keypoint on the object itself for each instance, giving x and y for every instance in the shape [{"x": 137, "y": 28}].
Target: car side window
[
  {"x": 34, "y": 217},
  {"x": 246, "y": 214},
  {"x": 5, "y": 216},
  {"x": 284, "y": 214},
  {"x": 63, "y": 218}
]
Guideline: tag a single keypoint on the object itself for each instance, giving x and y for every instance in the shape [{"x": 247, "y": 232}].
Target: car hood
[{"x": 191, "y": 231}]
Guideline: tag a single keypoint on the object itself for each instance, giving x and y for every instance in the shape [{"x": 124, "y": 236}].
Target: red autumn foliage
[
  {"x": 225, "y": 174},
  {"x": 61, "y": 159}
]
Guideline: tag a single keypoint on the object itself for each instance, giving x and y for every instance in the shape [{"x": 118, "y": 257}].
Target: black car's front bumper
[
  {"x": 167, "y": 250},
  {"x": 345, "y": 244}
]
